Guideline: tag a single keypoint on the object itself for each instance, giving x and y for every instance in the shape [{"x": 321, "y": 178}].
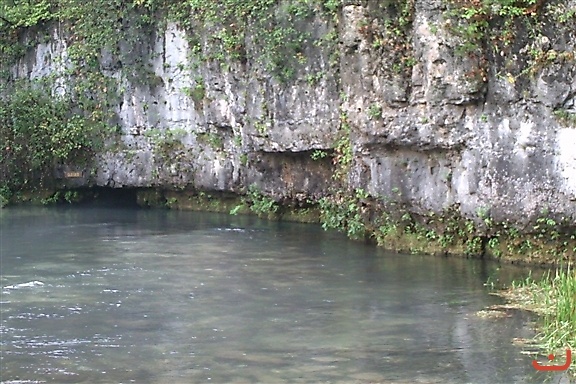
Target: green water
[{"x": 103, "y": 295}]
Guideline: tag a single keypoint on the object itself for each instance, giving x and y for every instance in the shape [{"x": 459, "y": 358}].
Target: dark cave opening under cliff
[{"x": 106, "y": 196}]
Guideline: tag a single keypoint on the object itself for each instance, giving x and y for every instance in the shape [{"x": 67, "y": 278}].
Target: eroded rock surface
[{"x": 427, "y": 125}]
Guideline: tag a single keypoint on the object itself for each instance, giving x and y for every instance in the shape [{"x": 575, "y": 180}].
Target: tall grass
[
  {"x": 553, "y": 297},
  {"x": 559, "y": 321}
]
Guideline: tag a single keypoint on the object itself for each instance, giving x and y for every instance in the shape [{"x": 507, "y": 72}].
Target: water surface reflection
[{"x": 96, "y": 295}]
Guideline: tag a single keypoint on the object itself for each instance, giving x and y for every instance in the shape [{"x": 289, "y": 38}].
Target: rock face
[{"x": 489, "y": 128}]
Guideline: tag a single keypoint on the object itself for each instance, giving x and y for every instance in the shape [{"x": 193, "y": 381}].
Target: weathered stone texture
[{"x": 454, "y": 130}]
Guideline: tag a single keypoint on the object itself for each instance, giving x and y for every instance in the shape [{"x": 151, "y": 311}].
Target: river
[{"x": 121, "y": 295}]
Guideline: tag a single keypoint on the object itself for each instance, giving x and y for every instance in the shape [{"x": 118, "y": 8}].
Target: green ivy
[
  {"x": 258, "y": 203},
  {"x": 39, "y": 131},
  {"x": 393, "y": 39},
  {"x": 343, "y": 153},
  {"x": 17, "y": 14},
  {"x": 278, "y": 25},
  {"x": 345, "y": 213},
  {"x": 475, "y": 21}
]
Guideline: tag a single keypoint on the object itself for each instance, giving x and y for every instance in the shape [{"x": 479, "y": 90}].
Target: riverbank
[
  {"x": 544, "y": 241},
  {"x": 553, "y": 298}
]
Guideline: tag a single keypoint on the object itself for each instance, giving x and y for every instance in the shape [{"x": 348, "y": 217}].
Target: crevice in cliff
[
  {"x": 292, "y": 175},
  {"x": 100, "y": 196}
]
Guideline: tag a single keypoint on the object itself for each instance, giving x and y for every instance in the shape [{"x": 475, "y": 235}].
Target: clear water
[{"x": 102, "y": 295}]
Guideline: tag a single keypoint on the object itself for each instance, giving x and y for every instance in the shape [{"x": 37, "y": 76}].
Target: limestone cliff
[{"x": 434, "y": 106}]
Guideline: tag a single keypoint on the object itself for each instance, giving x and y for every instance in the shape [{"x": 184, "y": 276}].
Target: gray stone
[{"x": 455, "y": 130}]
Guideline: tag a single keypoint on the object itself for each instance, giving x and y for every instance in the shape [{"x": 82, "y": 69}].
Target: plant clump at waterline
[{"x": 553, "y": 298}]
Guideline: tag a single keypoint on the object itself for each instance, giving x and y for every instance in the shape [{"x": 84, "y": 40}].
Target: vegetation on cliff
[
  {"x": 64, "y": 117},
  {"x": 38, "y": 131},
  {"x": 67, "y": 116},
  {"x": 390, "y": 223}
]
